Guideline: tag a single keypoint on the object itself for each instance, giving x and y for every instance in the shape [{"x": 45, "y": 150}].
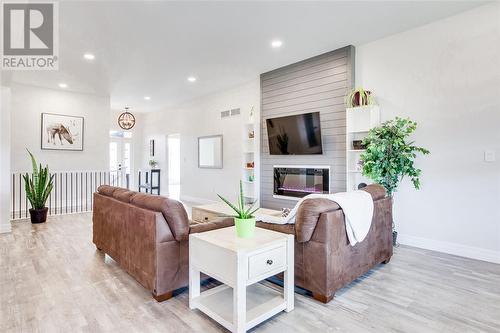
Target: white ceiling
[{"x": 150, "y": 48}]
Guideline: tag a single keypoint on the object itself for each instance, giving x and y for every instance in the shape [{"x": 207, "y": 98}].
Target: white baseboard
[
  {"x": 5, "y": 228},
  {"x": 196, "y": 200},
  {"x": 451, "y": 248}
]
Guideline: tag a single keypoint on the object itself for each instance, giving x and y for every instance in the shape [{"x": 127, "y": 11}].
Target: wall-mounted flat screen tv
[{"x": 295, "y": 135}]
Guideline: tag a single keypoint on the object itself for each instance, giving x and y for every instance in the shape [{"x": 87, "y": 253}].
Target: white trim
[
  {"x": 197, "y": 200},
  {"x": 285, "y": 197},
  {"x": 451, "y": 248},
  {"x": 291, "y": 166},
  {"x": 5, "y": 228}
]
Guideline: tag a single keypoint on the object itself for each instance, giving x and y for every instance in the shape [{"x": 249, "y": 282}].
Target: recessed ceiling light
[
  {"x": 63, "y": 85},
  {"x": 191, "y": 79},
  {"x": 147, "y": 98},
  {"x": 276, "y": 43},
  {"x": 89, "y": 56}
]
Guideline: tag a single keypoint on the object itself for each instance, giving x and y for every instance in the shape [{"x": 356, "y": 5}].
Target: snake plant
[
  {"x": 39, "y": 185},
  {"x": 242, "y": 212}
]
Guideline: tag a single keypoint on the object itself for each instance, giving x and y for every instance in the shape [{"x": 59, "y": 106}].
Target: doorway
[
  {"x": 174, "y": 165},
  {"x": 120, "y": 161}
]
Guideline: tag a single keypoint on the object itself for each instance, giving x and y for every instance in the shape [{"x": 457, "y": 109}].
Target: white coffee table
[{"x": 241, "y": 302}]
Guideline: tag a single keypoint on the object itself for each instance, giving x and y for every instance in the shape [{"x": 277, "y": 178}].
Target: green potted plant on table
[
  {"x": 389, "y": 156},
  {"x": 38, "y": 188},
  {"x": 244, "y": 219}
]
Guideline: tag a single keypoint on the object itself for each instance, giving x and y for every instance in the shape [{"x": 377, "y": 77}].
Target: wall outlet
[{"x": 489, "y": 156}]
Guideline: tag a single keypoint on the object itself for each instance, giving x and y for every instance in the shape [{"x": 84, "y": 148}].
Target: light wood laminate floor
[{"x": 52, "y": 279}]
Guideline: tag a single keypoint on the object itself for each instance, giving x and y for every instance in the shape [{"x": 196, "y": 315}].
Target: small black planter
[
  {"x": 38, "y": 215},
  {"x": 394, "y": 238}
]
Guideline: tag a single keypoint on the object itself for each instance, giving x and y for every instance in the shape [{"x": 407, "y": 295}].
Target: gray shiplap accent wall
[{"x": 316, "y": 84}]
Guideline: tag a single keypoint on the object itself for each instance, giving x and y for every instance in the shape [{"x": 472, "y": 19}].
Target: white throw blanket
[{"x": 357, "y": 207}]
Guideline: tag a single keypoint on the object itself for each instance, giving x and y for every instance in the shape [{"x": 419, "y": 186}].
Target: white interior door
[
  {"x": 120, "y": 162},
  {"x": 174, "y": 165}
]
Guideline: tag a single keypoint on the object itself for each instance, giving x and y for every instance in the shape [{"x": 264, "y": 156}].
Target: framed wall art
[{"x": 62, "y": 132}]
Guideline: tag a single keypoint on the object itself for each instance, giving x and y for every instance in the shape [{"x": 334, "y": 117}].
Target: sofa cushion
[
  {"x": 172, "y": 210},
  {"x": 284, "y": 228},
  {"x": 123, "y": 195},
  {"x": 106, "y": 190}
]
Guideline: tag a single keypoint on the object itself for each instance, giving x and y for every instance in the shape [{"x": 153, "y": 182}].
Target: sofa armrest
[
  {"x": 308, "y": 216},
  {"x": 219, "y": 223},
  {"x": 376, "y": 191}
]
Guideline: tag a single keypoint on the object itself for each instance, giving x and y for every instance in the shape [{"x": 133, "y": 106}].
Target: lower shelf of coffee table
[{"x": 262, "y": 303}]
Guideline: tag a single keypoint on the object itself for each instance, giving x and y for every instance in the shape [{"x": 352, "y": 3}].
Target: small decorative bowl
[{"x": 358, "y": 144}]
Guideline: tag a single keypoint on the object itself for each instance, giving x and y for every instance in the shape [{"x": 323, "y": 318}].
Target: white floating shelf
[
  {"x": 250, "y": 154},
  {"x": 359, "y": 121}
]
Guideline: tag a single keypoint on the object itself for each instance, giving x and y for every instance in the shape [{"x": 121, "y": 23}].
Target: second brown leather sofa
[{"x": 147, "y": 236}]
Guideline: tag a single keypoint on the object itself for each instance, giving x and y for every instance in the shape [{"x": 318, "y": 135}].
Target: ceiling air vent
[
  {"x": 235, "y": 112},
  {"x": 225, "y": 114}
]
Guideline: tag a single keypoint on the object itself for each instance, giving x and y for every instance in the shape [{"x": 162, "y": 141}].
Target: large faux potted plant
[
  {"x": 38, "y": 188},
  {"x": 244, "y": 219},
  {"x": 390, "y": 156}
]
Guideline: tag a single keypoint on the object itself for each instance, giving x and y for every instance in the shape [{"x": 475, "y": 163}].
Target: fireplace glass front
[{"x": 297, "y": 182}]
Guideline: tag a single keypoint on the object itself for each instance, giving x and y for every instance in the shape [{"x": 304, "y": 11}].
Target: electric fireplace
[{"x": 297, "y": 181}]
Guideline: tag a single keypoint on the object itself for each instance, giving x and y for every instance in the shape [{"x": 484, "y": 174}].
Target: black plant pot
[
  {"x": 394, "y": 238},
  {"x": 38, "y": 215}
]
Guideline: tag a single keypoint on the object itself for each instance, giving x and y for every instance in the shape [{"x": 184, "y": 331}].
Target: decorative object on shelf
[
  {"x": 251, "y": 178},
  {"x": 251, "y": 134},
  {"x": 389, "y": 156},
  {"x": 250, "y": 165},
  {"x": 38, "y": 188},
  {"x": 61, "y": 132},
  {"x": 359, "y": 97},
  {"x": 126, "y": 120},
  {"x": 359, "y": 165},
  {"x": 244, "y": 219},
  {"x": 358, "y": 145},
  {"x": 153, "y": 164},
  {"x": 210, "y": 152},
  {"x": 152, "y": 147}
]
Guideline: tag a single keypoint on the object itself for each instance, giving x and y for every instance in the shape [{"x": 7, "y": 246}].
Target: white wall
[
  {"x": 197, "y": 118},
  {"x": 5, "y": 160},
  {"x": 446, "y": 76},
  {"x": 29, "y": 102}
]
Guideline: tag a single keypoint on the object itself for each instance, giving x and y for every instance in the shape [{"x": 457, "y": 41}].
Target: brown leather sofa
[
  {"x": 324, "y": 259},
  {"x": 147, "y": 235}
]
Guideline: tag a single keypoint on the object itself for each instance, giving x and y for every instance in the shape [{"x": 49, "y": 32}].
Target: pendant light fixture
[{"x": 126, "y": 120}]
